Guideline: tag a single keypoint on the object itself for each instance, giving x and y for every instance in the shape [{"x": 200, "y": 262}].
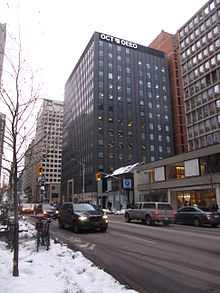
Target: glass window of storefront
[{"x": 202, "y": 197}]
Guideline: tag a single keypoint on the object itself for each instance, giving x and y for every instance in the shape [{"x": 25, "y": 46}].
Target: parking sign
[{"x": 127, "y": 183}]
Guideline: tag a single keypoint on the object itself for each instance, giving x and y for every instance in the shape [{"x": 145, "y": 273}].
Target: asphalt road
[{"x": 163, "y": 259}]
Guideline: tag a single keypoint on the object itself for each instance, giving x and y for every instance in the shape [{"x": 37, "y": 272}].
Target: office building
[
  {"x": 117, "y": 111},
  {"x": 2, "y": 47},
  {"x": 199, "y": 45},
  {"x": 44, "y": 155}
]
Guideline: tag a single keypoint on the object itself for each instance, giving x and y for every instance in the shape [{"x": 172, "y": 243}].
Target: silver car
[{"x": 151, "y": 212}]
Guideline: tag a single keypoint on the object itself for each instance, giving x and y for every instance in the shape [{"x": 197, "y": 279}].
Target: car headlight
[
  {"x": 105, "y": 217},
  {"x": 44, "y": 212},
  {"x": 57, "y": 212},
  {"x": 82, "y": 218}
]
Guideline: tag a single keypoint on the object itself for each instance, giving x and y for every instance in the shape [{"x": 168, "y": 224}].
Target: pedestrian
[{"x": 215, "y": 206}]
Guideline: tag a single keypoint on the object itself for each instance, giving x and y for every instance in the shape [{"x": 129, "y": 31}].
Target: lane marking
[
  {"x": 139, "y": 239},
  {"x": 92, "y": 246}
]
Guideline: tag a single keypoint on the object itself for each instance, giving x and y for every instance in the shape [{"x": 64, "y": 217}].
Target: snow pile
[{"x": 58, "y": 270}]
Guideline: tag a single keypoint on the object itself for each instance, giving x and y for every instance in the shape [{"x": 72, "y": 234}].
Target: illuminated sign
[{"x": 118, "y": 41}]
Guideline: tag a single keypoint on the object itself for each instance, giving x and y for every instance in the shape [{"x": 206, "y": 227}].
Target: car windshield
[
  {"x": 83, "y": 207},
  {"x": 48, "y": 207}
]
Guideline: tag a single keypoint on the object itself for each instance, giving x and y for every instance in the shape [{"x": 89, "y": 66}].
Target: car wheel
[
  {"x": 196, "y": 222},
  {"x": 76, "y": 228},
  {"x": 215, "y": 225},
  {"x": 61, "y": 226},
  {"x": 166, "y": 223},
  {"x": 127, "y": 218},
  {"x": 148, "y": 220}
]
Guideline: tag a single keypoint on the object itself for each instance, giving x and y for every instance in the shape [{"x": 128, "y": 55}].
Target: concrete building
[
  {"x": 194, "y": 64},
  {"x": 44, "y": 155},
  {"x": 199, "y": 45},
  {"x": 187, "y": 179},
  {"x": 29, "y": 173},
  {"x": 2, "y": 47},
  {"x": 117, "y": 111}
]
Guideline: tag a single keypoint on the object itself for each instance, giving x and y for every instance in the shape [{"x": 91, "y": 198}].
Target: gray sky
[{"x": 55, "y": 33}]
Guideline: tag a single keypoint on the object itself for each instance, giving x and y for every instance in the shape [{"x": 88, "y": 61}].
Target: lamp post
[{"x": 83, "y": 173}]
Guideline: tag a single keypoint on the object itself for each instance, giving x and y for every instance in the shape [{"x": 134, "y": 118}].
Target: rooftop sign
[{"x": 118, "y": 41}]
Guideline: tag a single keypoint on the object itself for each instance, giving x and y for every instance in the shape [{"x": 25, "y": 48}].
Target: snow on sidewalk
[{"x": 58, "y": 270}]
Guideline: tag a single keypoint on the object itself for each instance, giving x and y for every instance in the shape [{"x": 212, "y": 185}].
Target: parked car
[
  {"x": 151, "y": 212},
  {"x": 26, "y": 208},
  {"x": 82, "y": 216},
  {"x": 197, "y": 216},
  {"x": 47, "y": 210}
]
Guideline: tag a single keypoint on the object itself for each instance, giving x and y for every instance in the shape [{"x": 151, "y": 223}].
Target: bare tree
[{"x": 18, "y": 98}]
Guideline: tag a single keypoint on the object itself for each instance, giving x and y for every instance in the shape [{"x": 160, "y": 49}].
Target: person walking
[{"x": 215, "y": 206}]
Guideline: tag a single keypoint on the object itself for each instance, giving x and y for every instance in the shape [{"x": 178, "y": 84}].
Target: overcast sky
[{"x": 56, "y": 32}]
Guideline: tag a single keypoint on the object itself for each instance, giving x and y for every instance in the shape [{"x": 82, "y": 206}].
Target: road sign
[{"x": 127, "y": 183}]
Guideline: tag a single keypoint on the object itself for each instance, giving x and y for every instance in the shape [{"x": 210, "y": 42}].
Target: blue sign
[
  {"x": 127, "y": 183},
  {"x": 125, "y": 192}
]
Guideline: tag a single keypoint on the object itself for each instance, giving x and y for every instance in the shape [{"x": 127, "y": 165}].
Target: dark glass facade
[{"x": 117, "y": 110}]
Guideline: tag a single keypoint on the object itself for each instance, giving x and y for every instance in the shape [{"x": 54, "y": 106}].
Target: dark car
[
  {"x": 198, "y": 216},
  {"x": 47, "y": 210},
  {"x": 82, "y": 216}
]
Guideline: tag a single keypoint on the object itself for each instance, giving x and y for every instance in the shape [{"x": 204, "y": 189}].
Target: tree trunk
[{"x": 16, "y": 224}]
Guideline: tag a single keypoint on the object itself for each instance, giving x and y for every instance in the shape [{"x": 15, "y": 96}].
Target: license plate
[
  {"x": 216, "y": 216},
  {"x": 166, "y": 218}
]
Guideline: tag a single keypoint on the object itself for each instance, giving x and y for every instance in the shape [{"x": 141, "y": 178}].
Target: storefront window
[{"x": 203, "y": 197}]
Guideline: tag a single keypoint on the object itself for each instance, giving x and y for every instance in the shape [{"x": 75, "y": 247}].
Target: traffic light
[
  {"x": 98, "y": 177},
  {"x": 39, "y": 171}
]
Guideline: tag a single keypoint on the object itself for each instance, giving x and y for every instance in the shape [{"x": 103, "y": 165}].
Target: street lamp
[{"x": 83, "y": 173}]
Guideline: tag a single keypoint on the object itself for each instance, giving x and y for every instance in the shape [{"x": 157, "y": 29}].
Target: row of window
[
  {"x": 192, "y": 62},
  {"x": 197, "y": 72},
  {"x": 201, "y": 84},
  {"x": 204, "y": 126},
  {"x": 52, "y": 180},
  {"x": 203, "y": 98},
  {"x": 210, "y": 139},
  {"x": 199, "y": 31},
  {"x": 199, "y": 17}
]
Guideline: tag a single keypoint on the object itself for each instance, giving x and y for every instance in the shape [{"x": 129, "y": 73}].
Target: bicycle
[
  {"x": 43, "y": 233},
  {"x": 9, "y": 233}
]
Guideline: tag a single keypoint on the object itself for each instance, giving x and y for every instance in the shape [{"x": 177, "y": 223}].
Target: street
[{"x": 176, "y": 258}]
